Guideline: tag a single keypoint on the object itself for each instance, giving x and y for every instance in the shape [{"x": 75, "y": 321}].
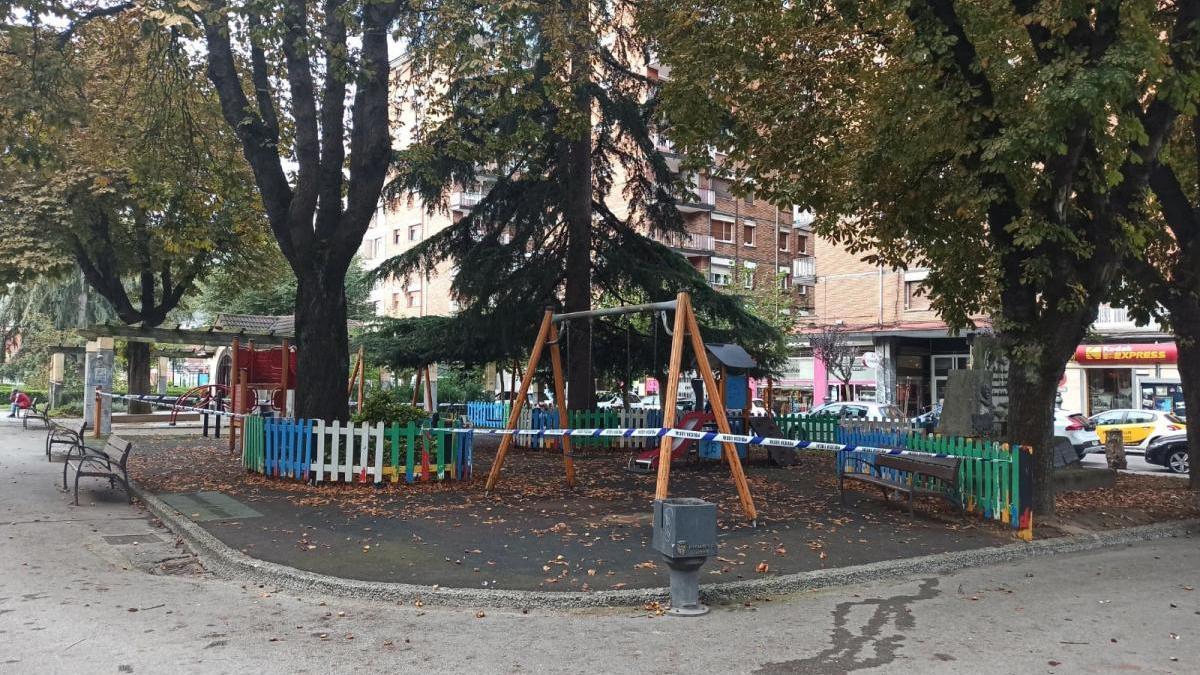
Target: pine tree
[{"x": 542, "y": 104}]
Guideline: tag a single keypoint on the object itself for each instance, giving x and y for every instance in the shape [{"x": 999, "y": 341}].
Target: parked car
[
  {"x": 612, "y": 401},
  {"x": 928, "y": 420},
  {"x": 1169, "y": 451},
  {"x": 861, "y": 409},
  {"x": 1139, "y": 428},
  {"x": 1077, "y": 429}
]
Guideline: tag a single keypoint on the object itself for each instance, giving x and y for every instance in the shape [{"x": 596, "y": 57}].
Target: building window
[
  {"x": 783, "y": 241},
  {"x": 414, "y": 232},
  {"x": 395, "y": 301},
  {"x": 748, "y": 234},
  {"x": 395, "y": 236},
  {"x": 722, "y": 231},
  {"x": 748, "y": 278},
  {"x": 721, "y": 187},
  {"x": 914, "y": 296},
  {"x": 414, "y": 298},
  {"x": 750, "y": 198},
  {"x": 801, "y": 243},
  {"x": 719, "y": 276}
]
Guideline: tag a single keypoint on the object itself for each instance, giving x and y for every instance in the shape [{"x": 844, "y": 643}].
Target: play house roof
[
  {"x": 731, "y": 356},
  {"x": 284, "y": 326}
]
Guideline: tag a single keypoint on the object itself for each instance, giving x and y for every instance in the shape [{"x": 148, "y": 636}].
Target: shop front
[{"x": 1113, "y": 376}]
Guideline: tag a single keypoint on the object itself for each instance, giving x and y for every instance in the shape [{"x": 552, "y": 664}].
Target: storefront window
[{"x": 1108, "y": 389}]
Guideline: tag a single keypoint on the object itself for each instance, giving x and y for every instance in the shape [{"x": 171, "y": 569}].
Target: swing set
[{"x": 685, "y": 325}]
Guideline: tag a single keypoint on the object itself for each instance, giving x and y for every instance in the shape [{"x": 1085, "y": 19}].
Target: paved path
[{"x": 72, "y": 601}]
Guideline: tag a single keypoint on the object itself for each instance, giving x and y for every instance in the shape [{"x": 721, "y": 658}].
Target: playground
[{"x": 537, "y": 533}]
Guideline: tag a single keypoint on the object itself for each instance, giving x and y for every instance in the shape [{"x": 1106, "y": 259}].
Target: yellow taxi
[{"x": 1138, "y": 427}]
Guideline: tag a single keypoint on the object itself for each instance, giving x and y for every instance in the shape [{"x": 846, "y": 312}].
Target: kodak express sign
[{"x": 1131, "y": 354}]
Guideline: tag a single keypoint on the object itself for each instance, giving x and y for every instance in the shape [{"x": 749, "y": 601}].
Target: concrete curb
[{"x": 230, "y": 563}]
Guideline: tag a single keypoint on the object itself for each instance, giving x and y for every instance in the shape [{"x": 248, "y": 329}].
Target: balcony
[
  {"x": 697, "y": 200},
  {"x": 804, "y": 270},
  {"x": 465, "y": 201},
  {"x": 686, "y": 243}
]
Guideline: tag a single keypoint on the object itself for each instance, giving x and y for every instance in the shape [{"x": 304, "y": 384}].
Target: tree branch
[
  {"x": 258, "y": 141},
  {"x": 371, "y": 138},
  {"x": 306, "y": 144},
  {"x": 333, "y": 110},
  {"x": 65, "y": 36}
]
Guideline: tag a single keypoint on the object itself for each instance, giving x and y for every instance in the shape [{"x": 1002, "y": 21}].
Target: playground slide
[
  {"x": 766, "y": 427},
  {"x": 648, "y": 460}
]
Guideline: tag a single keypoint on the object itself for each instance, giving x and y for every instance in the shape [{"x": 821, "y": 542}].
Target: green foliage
[
  {"x": 509, "y": 101},
  {"x": 120, "y": 164},
  {"x": 460, "y": 384},
  {"x": 382, "y": 405},
  {"x": 68, "y": 410}
]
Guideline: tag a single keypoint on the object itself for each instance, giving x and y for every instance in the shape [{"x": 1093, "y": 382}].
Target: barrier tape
[
  {"x": 692, "y": 434},
  {"x": 143, "y": 399}
]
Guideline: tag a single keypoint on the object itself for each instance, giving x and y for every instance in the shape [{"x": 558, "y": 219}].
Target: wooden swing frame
[{"x": 685, "y": 325}]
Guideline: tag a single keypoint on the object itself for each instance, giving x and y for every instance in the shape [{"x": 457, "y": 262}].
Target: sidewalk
[{"x": 72, "y": 602}]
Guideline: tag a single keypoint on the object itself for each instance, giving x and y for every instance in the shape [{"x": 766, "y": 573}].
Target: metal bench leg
[{"x": 77, "y": 485}]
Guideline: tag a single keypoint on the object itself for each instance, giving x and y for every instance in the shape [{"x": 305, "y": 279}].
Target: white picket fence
[{"x": 347, "y": 461}]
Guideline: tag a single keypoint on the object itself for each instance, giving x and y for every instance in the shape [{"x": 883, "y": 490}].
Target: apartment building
[
  {"x": 728, "y": 239},
  {"x": 906, "y": 351}
]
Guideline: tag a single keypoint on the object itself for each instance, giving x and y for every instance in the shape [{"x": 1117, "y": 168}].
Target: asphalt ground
[{"x": 533, "y": 533}]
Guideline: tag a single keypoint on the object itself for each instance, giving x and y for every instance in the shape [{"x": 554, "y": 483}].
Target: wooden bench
[
  {"x": 914, "y": 475},
  {"x": 107, "y": 462},
  {"x": 32, "y": 413},
  {"x": 59, "y": 434}
]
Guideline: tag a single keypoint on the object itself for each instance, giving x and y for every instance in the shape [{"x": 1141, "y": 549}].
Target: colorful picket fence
[
  {"x": 994, "y": 478},
  {"x": 804, "y": 427},
  {"x": 321, "y": 452}
]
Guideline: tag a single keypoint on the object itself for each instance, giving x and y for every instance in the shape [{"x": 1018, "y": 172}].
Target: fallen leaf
[
  {"x": 762, "y": 567},
  {"x": 479, "y": 614}
]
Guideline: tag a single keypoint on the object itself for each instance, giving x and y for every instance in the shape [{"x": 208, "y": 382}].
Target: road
[
  {"x": 78, "y": 595},
  {"x": 1135, "y": 463}
]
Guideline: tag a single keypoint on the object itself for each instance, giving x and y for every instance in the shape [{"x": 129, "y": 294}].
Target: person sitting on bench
[{"x": 19, "y": 400}]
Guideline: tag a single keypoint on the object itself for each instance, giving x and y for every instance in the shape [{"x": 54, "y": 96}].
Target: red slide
[{"x": 647, "y": 461}]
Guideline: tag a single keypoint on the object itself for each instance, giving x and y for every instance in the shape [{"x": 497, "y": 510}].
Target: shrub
[
  {"x": 68, "y": 410},
  {"x": 382, "y": 406}
]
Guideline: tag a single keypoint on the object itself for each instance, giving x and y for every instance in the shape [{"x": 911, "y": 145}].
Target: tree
[
  {"x": 301, "y": 63},
  {"x": 116, "y": 162},
  {"x": 1006, "y": 147},
  {"x": 1164, "y": 281},
  {"x": 539, "y": 104},
  {"x": 831, "y": 347}
]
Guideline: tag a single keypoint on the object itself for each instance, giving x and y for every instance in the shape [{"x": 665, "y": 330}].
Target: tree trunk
[
  {"x": 1187, "y": 337},
  {"x": 1032, "y": 388},
  {"x": 137, "y": 356},
  {"x": 323, "y": 345},
  {"x": 576, "y": 155}
]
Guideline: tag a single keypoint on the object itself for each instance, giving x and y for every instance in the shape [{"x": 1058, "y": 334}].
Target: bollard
[
  {"x": 96, "y": 413},
  {"x": 685, "y": 533}
]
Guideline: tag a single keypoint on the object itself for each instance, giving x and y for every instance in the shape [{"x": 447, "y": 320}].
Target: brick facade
[{"x": 860, "y": 294}]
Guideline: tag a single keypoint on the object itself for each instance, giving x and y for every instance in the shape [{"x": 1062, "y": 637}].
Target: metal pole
[{"x": 668, "y": 306}]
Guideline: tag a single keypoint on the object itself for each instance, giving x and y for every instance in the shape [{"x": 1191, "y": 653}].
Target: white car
[
  {"x": 861, "y": 410},
  {"x": 1079, "y": 430}
]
